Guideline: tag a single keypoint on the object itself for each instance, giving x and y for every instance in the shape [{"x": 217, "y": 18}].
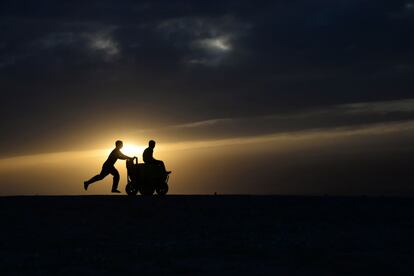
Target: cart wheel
[
  {"x": 162, "y": 189},
  {"x": 146, "y": 190},
  {"x": 131, "y": 189}
]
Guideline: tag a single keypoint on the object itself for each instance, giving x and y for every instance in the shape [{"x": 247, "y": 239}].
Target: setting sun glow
[{"x": 132, "y": 150}]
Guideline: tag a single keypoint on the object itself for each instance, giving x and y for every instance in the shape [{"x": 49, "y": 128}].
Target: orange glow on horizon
[{"x": 195, "y": 164}]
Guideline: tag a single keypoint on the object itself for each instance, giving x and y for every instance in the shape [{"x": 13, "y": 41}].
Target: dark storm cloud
[{"x": 70, "y": 65}]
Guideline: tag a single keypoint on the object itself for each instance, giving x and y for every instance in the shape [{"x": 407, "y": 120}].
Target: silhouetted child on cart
[{"x": 148, "y": 157}]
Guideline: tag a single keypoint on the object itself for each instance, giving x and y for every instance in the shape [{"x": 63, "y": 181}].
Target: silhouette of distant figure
[
  {"x": 148, "y": 157},
  {"x": 108, "y": 168}
]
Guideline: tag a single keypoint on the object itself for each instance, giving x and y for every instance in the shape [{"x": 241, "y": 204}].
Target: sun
[{"x": 132, "y": 150}]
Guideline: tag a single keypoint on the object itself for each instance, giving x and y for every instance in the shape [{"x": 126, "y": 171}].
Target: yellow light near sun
[{"x": 132, "y": 150}]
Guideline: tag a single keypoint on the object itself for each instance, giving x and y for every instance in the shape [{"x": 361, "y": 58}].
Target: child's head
[{"x": 119, "y": 144}]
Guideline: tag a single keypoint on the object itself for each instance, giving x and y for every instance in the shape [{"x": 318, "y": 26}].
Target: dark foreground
[{"x": 192, "y": 235}]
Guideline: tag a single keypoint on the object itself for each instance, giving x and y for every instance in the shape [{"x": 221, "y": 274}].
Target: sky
[{"x": 251, "y": 97}]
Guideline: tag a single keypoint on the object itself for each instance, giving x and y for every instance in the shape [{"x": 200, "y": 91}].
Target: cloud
[
  {"x": 57, "y": 39},
  {"x": 405, "y": 11},
  {"x": 104, "y": 42},
  {"x": 372, "y": 129},
  {"x": 289, "y": 54},
  {"x": 214, "y": 50},
  {"x": 355, "y": 115},
  {"x": 409, "y": 6},
  {"x": 82, "y": 39},
  {"x": 405, "y": 106},
  {"x": 220, "y": 44},
  {"x": 363, "y": 130},
  {"x": 207, "y": 41},
  {"x": 380, "y": 108}
]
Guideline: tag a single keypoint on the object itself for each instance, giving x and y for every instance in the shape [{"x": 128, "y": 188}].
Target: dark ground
[{"x": 192, "y": 235}]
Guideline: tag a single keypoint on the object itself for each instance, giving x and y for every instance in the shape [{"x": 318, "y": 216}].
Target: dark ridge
[{"x": 228, "y": 234}]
